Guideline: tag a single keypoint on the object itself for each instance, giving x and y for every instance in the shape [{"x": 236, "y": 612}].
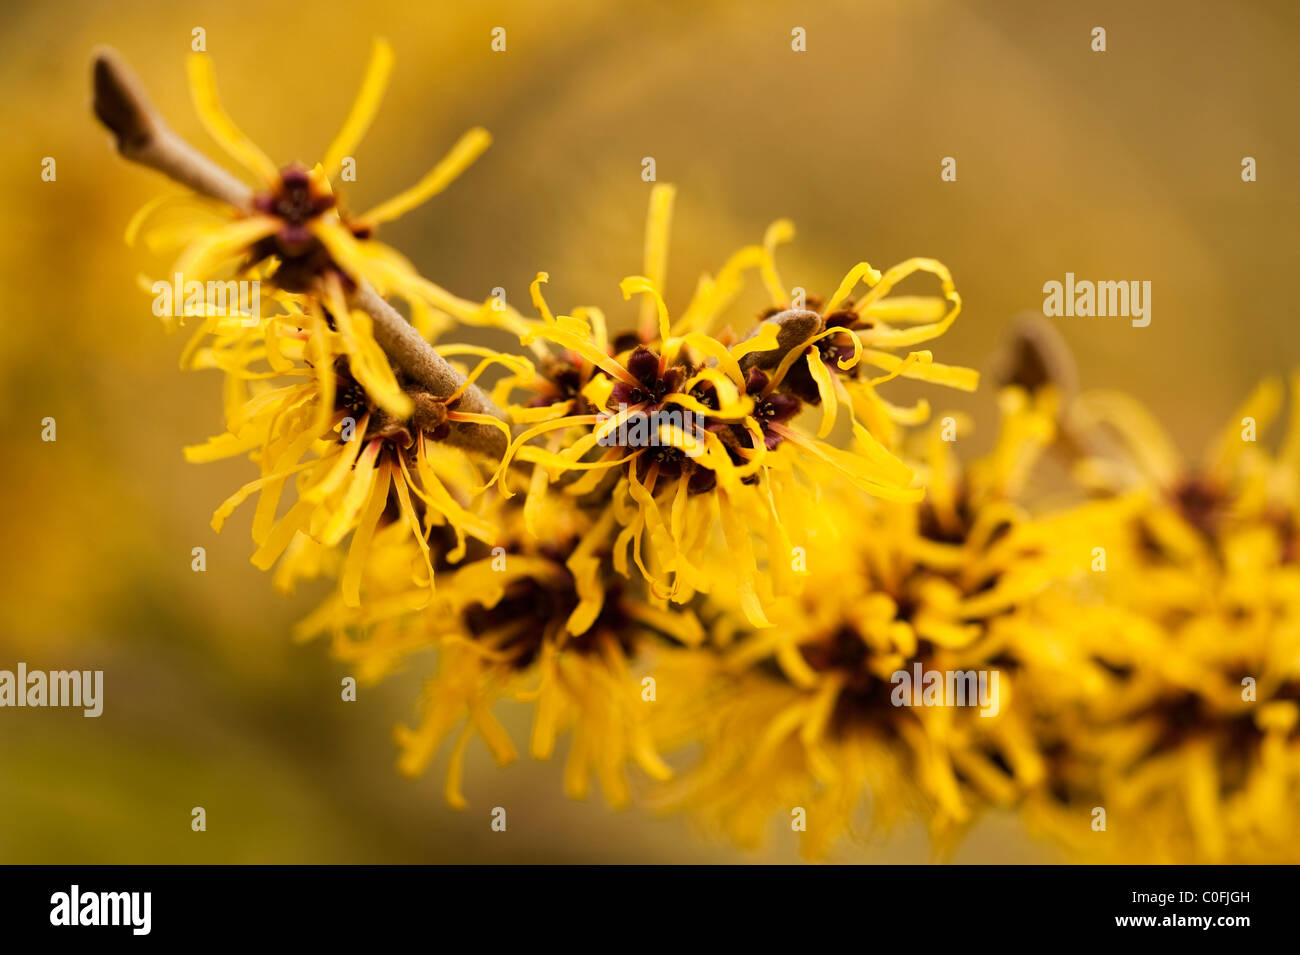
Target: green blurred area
[{"x": 1122, "y": 165}]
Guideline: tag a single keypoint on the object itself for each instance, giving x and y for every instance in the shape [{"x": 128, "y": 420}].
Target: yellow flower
[
  {"x": 828, "y": 368},
  {"x": 294, "y": 221},
  {"x": 1193, "y": 747},
  {"x": 694, "y": 436},
  {"x": 357, "y": 470},
  {"x": 295, "y": 336},
  {"x": 519, "y": 623},
  {"x": 808, "y": 713}
]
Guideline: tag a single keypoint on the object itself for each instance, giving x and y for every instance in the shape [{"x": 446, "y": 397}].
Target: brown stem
[
  {"x": 410, "y": 352},
  {"x": 144, "y": 137}
]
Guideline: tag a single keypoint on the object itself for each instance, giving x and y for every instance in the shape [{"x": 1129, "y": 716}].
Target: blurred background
[{"x": 1117, "y": 165}]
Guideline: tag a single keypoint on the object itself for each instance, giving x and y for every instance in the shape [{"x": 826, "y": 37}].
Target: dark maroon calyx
[
  {"x": 1202, "y": 502},
  {"x": 643, "y": 365},
  {"x": 845, "y": 318},
  {"x": 651, "y": 385},
  {"x": 845, "y": 653},
  {"x": 668, "y": 463},
  {"x": 566, "y": 377},
  {"x": 349, "y": 395},
  {"x": 530, "y": 610},
  {"x": 706, "y": 393},
  {"x": 756, "y": 381},
  {"x": 834, "y": 348},
  {"x": 562, "y": 380},
  {"x": 295, "y": 200},
  {"x": 774, "y": 408}
]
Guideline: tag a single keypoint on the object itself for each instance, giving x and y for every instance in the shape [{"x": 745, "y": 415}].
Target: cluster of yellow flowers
[{"x": 709, "y": 546}]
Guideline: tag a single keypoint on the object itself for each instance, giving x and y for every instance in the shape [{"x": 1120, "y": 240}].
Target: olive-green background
[{"x": 1115, "y": 165}]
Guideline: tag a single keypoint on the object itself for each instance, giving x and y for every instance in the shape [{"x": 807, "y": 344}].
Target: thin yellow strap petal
[
  {"x": 782, "y": 230},
  {"x": 862, "y": 270},
  {"x": 462, "y": 155},
  {"x": 861, "y": 472},
  {"x": 794, "y": 354},
  {"x": 913, "y": 358},
  {"x": 210, "y": 252},
  {"x": 1152, "y": 449},
  {"x": 203, "y": 87},
  {"x": 657, "y": 223},
  {"x": 896, "y": 338},
  {"x": 594, "y": 318},
  {"x": 402, "y": 486},
  {"x": 765, "y": 339},
  {"x": 494, "y": 734},
  {"x": 228, "y": 506},
  {"x": 456, "y": 770},
  {"x": 736, "y": 535},
  {"x": 354, "y": 564},
  {"x": 529, "y": 434},
  {"x": 583, "y": 347},
  {"x": 707, "y": 345},
  {"x": 639, "y": 283},
  {"x": 363, "y": 109},
  {"x": 1261, "y": 407},
  {"x": 1288, "y": 457},
  {"x": 492, "y": 421},
  {"x": 539, "y": 301},
  {"x": 222, "y": 446},
  {"x": 955, "y": 376},
  {"x": 825, "y": 389},
  {"x": 713, "y": 295},
  {"x": 906, "y": 308}
]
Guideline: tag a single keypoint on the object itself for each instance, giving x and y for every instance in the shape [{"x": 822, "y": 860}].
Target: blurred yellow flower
[
  {"x": 809, "y": 713},
  {"x": 1193, "y": 746},
  {"x": 522, "y": 622}
]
